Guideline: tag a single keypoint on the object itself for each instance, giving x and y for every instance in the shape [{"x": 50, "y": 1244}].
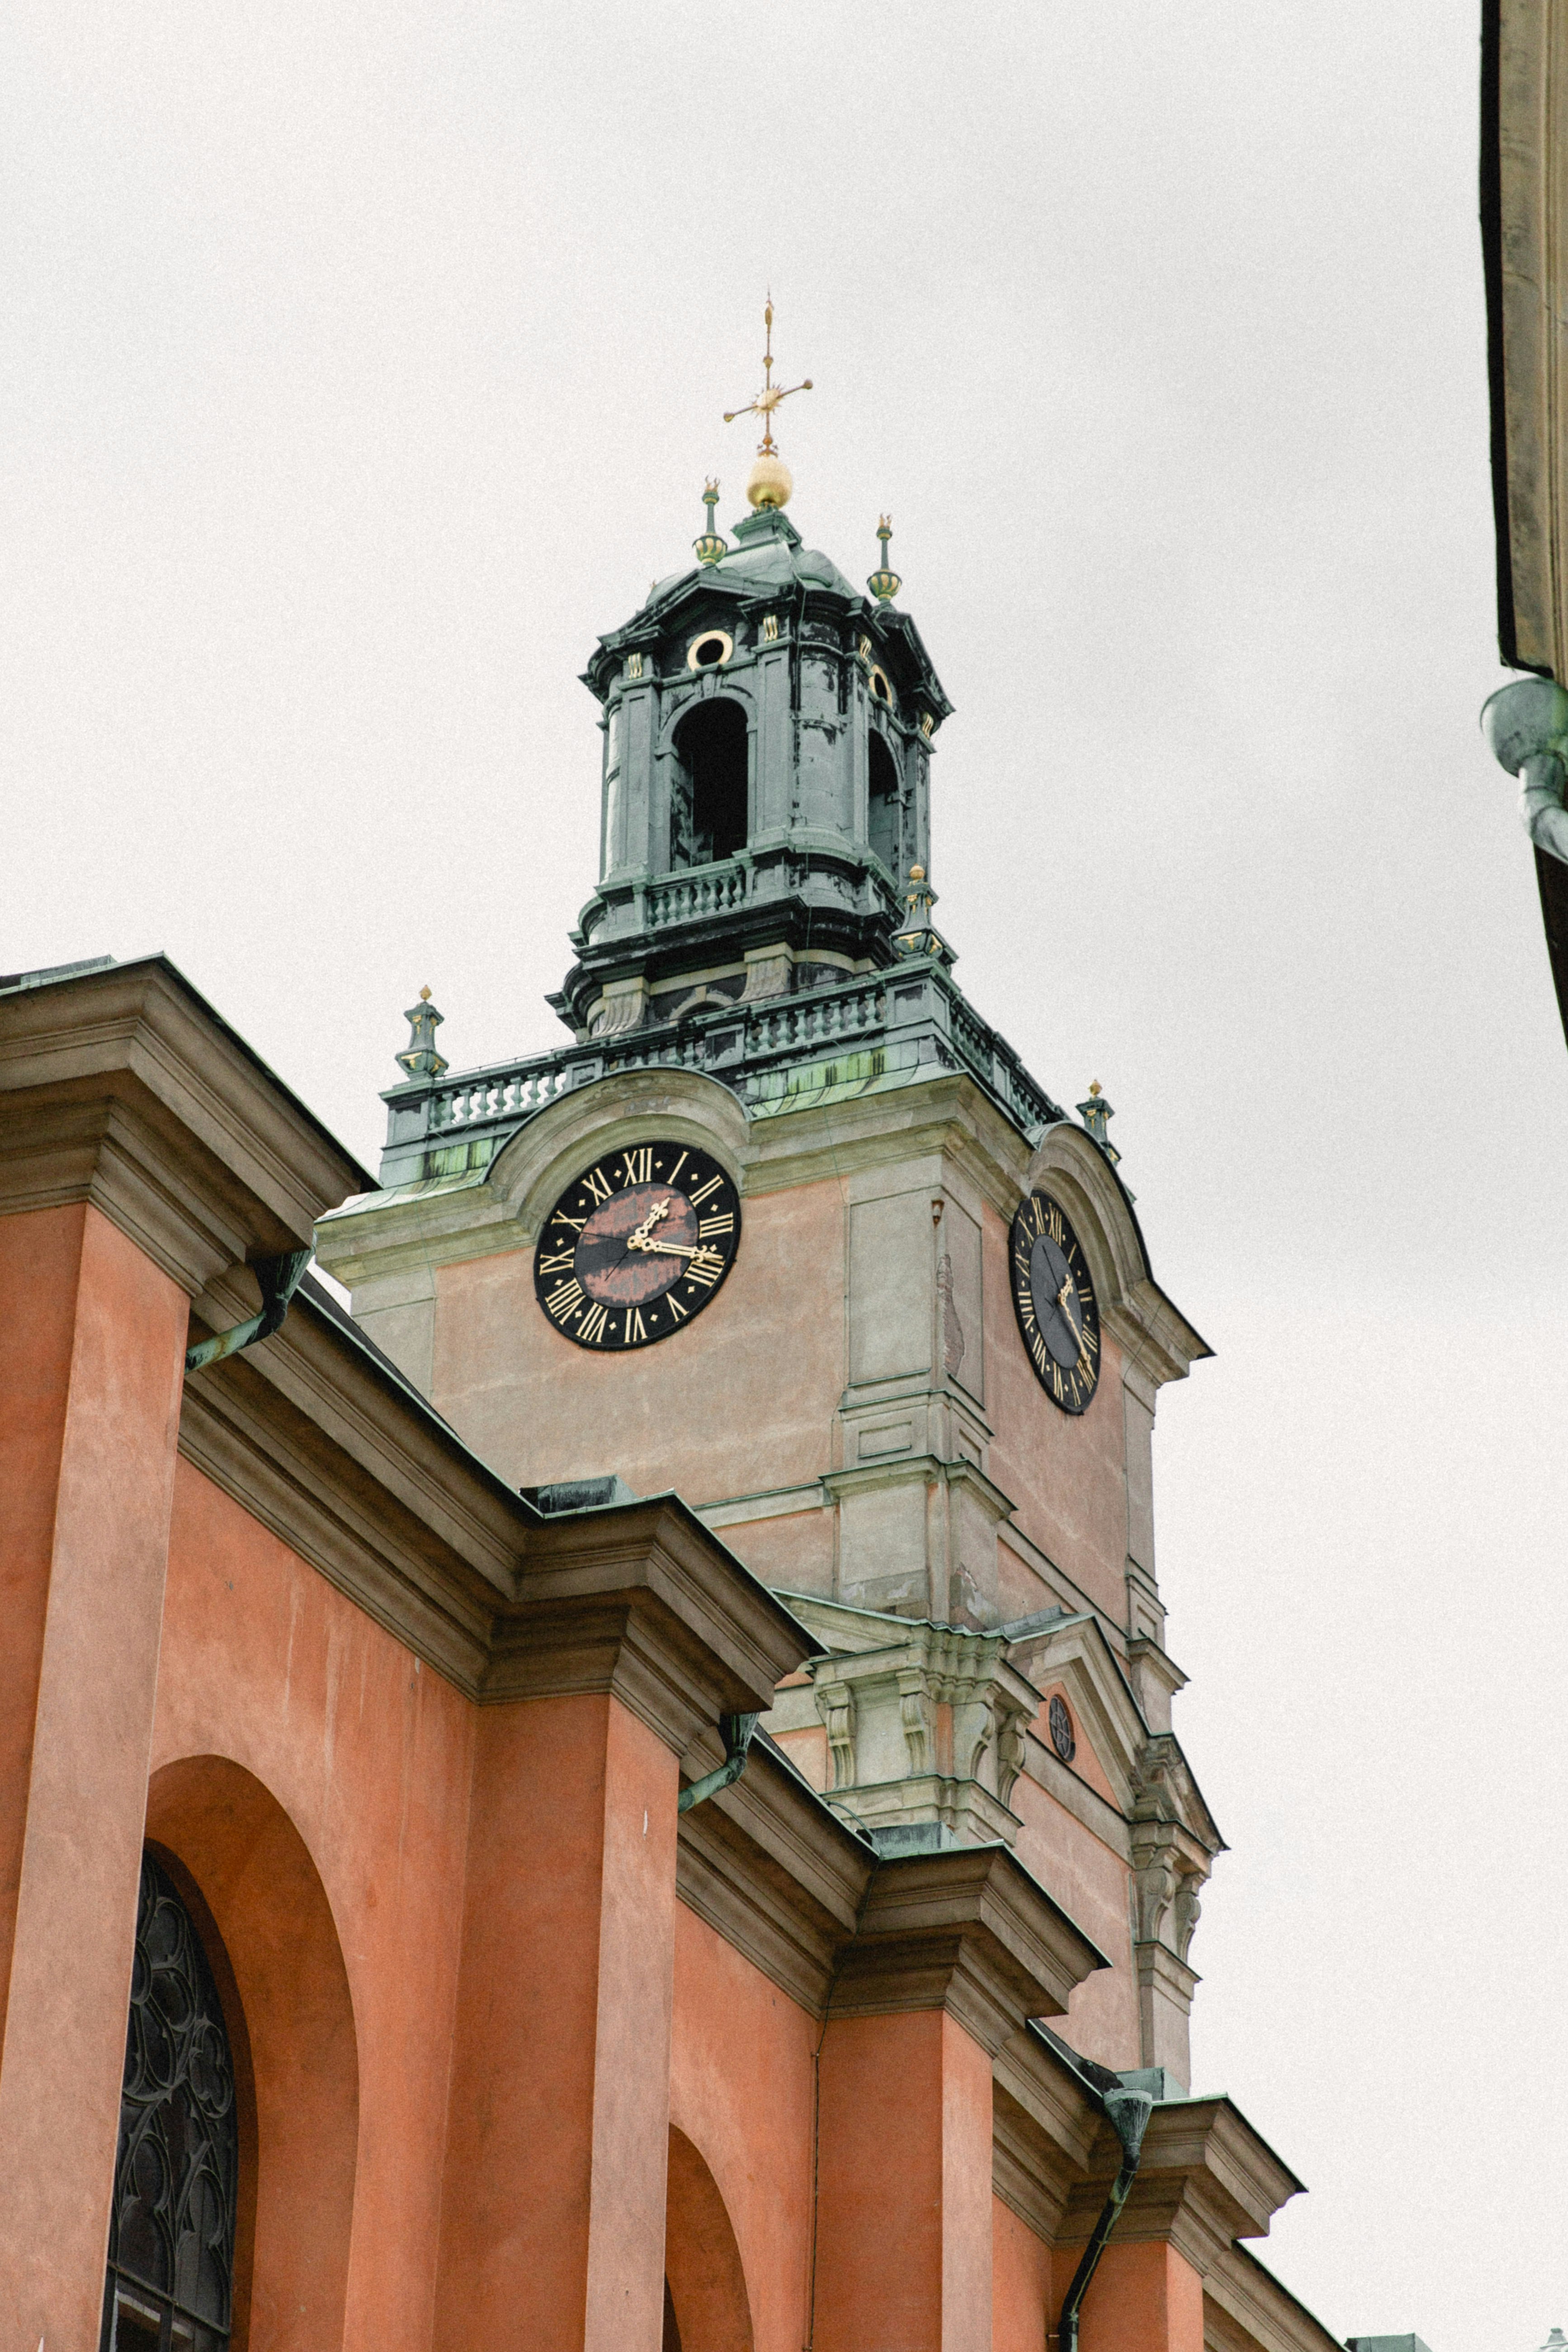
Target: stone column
[
  {"x": 954, "y": 1950},
  {"x": 92, "y": 1338},
  {"x": 635, "y": 1633}
]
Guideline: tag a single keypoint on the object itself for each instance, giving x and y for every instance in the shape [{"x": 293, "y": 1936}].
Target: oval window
[
  {"x": 879, "y": 686},
  {"x": 711, "y": 650},
  {"x": 1062, "y": 1736}
]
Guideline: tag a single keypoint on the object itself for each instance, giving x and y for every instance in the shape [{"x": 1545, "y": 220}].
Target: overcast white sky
[{"x": 362, "y": 365}]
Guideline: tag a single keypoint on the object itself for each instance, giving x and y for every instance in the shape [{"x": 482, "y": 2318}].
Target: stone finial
[
  {"x": 420, "y": 1057},
  {"x": 1095, "y": 1114},
  {"x": 884, "y": 583},
  {"x": 712, "y": 543}
]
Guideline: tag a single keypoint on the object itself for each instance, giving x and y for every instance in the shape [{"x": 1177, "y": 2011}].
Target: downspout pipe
[
  {"x": 1127, "y": 2112},
  {"x": 736, "y": 1732},
  {"x": 280, "y": 1279},
  {"x": 1527, "y": 726}
]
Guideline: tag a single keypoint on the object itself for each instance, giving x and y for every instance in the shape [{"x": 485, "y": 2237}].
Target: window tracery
[{"x": 171, "y": 2231}]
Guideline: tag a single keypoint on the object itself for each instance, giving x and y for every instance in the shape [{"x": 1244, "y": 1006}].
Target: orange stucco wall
[
  {"x": 370, "y": 1758},
  {"x": 1022, "y": 2289},
  {"x": 740, "y": 2090}
]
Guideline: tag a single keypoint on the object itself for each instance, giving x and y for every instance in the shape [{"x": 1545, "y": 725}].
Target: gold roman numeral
[
  {"x": 562, "y": 1263},
  {"x": 682, "y": 1314},
  {"x": 705, "y": 1269},
  {"x": 636, "y": 1328},
  {"x": 593, "y": 1324},
  {"x": 702, "y": 1191},
  {"x": 577, "y": 1224},
  {"x": 708, "y": 1226},
  {"x": 678, "y": 1166},
  {"x": 565, "y": 1300},
  {"x": 639, "y": 1166},
  {"x": 597, "y": 1185},
  {"x": 1056, "y": 1380},
  {"x": 1054, "y": 1225}
]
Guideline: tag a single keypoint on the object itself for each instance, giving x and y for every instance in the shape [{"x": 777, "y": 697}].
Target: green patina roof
[{"x": 768, "y": 554}]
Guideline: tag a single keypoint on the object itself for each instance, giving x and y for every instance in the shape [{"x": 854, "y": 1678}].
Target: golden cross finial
[{"x": 768, "y": 399}]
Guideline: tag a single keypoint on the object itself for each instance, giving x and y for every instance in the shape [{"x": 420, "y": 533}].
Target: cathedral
[{"x": 620, "y": 1791}]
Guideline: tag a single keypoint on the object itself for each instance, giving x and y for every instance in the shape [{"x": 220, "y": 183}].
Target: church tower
[{"x": 786, "y": 1227}]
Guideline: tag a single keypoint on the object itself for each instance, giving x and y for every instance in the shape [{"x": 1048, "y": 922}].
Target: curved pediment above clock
[
  {"x": 1069, "y": 1165},
  {"x": 629, "y": 1107}
]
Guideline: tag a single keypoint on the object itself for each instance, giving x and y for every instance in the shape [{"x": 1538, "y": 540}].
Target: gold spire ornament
[
  {"x": 884, "y": 583},
  {"x": 770, "y": 481},
  {"x": 712, "y": 544}
]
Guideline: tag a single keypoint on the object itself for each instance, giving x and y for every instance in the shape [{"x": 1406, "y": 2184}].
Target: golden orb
[
  {"x": 770, "y": 481},
  {"x": 917, "y": 874}
]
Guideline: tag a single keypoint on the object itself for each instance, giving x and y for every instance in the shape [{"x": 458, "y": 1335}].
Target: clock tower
[{"x": 784, "y": 1226}]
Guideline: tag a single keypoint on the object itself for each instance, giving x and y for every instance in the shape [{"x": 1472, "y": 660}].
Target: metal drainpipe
[
  {"x": 737, "y": 1731},
  {"x": 1127, "y": 2112},
  {"x": 280, "y": 1279}
]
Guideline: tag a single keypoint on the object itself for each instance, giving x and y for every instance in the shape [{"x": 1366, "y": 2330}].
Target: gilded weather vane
[{"x": 769, "y": 482}]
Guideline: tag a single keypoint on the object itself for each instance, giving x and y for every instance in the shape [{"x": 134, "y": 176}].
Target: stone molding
[
  {"x": 1028, "y": 2172},
  {"x": 1245, "y": 2309},
  {"x": 969, "y": 1931},
  {"x": 1156, "y": 1338},
  {"x": 1206, "y": 2178},
  {"x": 123, "y": 1087}
]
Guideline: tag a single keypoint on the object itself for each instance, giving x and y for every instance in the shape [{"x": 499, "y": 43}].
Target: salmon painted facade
[{"x": 621, "y": 1790}]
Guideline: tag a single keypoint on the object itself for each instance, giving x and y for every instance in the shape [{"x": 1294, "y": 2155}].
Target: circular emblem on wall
[
  {"x": 1060, "y": 1723},
  {"x": 1054, "y": 1300},
  {"x": 636, "y": 1245}
]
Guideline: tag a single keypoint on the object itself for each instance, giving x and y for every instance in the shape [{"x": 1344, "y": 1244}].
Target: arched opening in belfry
[
  {"x": 707, "y": 815},
  {"x": 885, "y": 820}
]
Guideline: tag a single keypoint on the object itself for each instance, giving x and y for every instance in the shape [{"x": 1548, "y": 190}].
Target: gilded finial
[
  {"x": 712, "y": 544},
  {"x": 884, "y": 583},
  {"x": 419, "y": 1057},
  {"x": 770, "y": 481}
]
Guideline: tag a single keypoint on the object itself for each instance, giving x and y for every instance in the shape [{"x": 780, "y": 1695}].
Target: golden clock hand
[{"x": 669, "y": 1249}]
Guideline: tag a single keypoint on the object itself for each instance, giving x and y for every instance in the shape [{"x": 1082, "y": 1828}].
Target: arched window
[
  {"x": 171, "y": 2230},
  {"x": 884, "y": 810},
  {"x": 707, "y": 819}
]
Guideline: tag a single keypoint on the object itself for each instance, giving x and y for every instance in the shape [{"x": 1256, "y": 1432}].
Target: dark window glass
[
  {"x": 709, "y": 817},
  {"x": 884, "y": 811},
  {"x": 171, "y": 2231}
]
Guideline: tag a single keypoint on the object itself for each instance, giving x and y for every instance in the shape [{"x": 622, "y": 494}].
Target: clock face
[
  {"x": 636, "y": 1245},
  {"x": 1053, "y": 1299}
]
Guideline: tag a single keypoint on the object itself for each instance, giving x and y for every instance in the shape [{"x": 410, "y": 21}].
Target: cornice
[
  {"x": 773, "y": 1871},
  {"x": 123, "y": 1087},
  {"x": 1028, "y": 2173},
  {"x": 1245, "y": 2309},
  {"x": 1206, "y": 2178},
  {"x": 968, "y": 1930}
]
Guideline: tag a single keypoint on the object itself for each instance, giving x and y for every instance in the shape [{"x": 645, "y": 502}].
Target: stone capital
[
  {"x": 643, "y": 1602},
  {"x": 969, "y": 1931}
]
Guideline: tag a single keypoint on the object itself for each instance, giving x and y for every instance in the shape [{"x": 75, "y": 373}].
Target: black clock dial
[
  {"x": 636, "y": 1245},
  {"x": 1053, "y": 1299}
]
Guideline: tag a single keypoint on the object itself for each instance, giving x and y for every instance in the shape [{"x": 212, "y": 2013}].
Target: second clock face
[
  {"x": 1053, "y": 1299},
  {"x": 636, "y": 1245}
]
